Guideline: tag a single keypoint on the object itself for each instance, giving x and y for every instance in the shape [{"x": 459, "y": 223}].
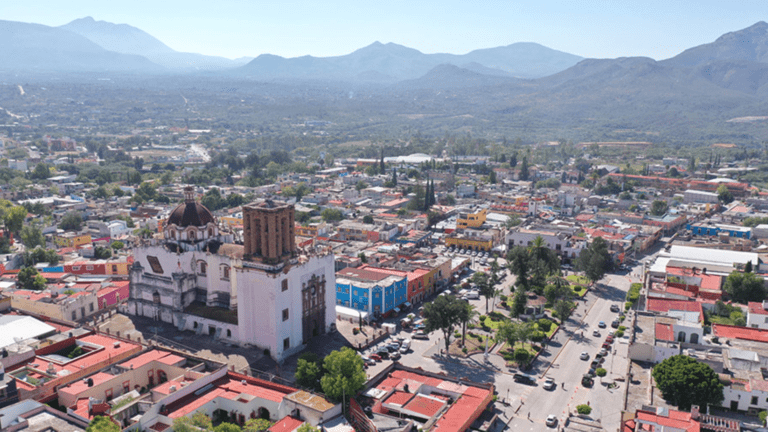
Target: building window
[
  {"x": 285, "y": 314},
  {"x": 90, "y": 307},
  {"x": 75, "y": 268},
  {"x": 285, "y": 284},
  {"x": 74, "y": 315},
  {"x": 286, "y": 343},
  {"x": 89, "y": 267},
  {"x": 203, "y": 267},
  {"x": 229, "y": 333},
  {"x": 754, "y": 400},
  {"x": 225, "y": 272}
]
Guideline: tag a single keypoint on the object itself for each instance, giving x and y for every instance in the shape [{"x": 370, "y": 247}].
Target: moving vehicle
[
  {"x": 614, "y": 308},
  {"x": 584, "y": 356},
  {"x": 551, "y": 420},
  {"x": 524, "y": 378},
  {"x": 601, "y": 324},
  {"x": 596, "y": 333},
  {"x": 549, "y": 384}
]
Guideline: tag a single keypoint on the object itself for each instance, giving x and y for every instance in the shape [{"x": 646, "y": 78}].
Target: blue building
[
  {"x": 708, "y": 229},
  {"x": 377, "y": 293}
]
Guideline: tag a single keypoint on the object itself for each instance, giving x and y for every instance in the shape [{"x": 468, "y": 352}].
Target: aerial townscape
[{"x": 516, "y": 238}]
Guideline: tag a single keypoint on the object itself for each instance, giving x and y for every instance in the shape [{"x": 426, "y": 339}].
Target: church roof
[{"x": 190, "y": 214}]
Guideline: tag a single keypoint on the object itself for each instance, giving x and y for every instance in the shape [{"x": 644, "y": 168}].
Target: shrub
[
  {"x": 464, "y": 350},
  {"x": 627, "y": 306},
  {"x": 537, "y": 336},
  {"x": 622, "y": 328},
  {"x": 522, "y": 356},
  {"x": 578, "y": 288},
  {"x": 482, "y": 318},
  {"x": 545, "y": 325},
  {"x": 503, "y": 298},
  {"x": 584, "y": 409},
  {"x": 619, "y": 333},
  {"x": 601, "y": 372}
]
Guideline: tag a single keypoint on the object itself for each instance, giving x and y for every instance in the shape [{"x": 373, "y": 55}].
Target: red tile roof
[
  {"x": 744, "y": 333},
  {"x": 658, "y": 304},
  {"x": 757, "y": 308},
  {"x": 665, "y": 332},
  {"x": 399, "y": 398},
  {"x": 675, "y": 419},
  {"x": 424, "y": 405},
  {"x": 286, "y": 424}
]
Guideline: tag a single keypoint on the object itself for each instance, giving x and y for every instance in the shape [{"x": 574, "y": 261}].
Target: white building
[{"x": 265, "y": 293}]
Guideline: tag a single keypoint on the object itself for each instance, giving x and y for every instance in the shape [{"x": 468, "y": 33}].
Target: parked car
[
  {"x": 614, "y": 307},
  {"x": 368, "y": 360},
  {"x": 420, "y": 335},
  {"x": 586, "y": 380},
  {"x": 606, "y": 345},
  {"x": 395, "y": 355},
  {"x": 405, "y": 346},
  {"x": 603, "y": 352},
  {"x": 549, "y": 384},
  {"x": 615, "y": 323},
  {"x": 609, "y": 339},
  {"x": 375, "y": 357},
  {"x": 601, "y": 324},
  {"x": 584, "y": 356}
]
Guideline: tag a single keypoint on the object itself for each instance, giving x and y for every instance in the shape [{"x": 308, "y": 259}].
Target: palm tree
[
  {"x": 466, "y": 316},
  {"x": 483, "y": 283}
]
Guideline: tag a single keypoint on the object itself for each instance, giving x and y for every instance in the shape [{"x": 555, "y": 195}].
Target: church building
[{"x": 264, "y": 293}]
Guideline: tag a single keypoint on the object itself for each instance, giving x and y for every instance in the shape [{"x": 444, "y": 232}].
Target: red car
[
  {"x": 609, "y": 339},
  {"x": 375, "y": 357}
]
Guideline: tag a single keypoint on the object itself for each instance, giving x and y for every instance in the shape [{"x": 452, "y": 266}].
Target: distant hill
[
  {"x": 35, "y": 47},
  {"x": 524, "y": 60},
  {"x": 126, "y": 39},
  {"x": 749, "y": 44}
]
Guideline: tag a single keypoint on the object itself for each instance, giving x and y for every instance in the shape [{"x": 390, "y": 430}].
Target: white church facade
[{"x": 264, "y": 293}]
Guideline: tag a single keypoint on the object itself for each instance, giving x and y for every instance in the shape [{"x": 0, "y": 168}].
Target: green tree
[
  {"x": 102, "y": 424},
  {"x": 563, "y": 309},
  {"x": 332, "y": 215},
  {"x": 227, "y": 427},
  {"x": 101, "y": 192},
  {"x": 745, "y": 287},
  {"x": 443, "y": 314},
  {"x": 394, "y": 177},
  {"x": 31, "y": 237},
  {"x": 41, "y": 171},
  {"x": 522, "y": 356},
  {"x": 306, "y": 427},
  {"x": 595, "y": 260},
  {"x": 519, "y": 302},
  {"x": 524, "y": 174},
  {"x": 72, "y": 221},
  {"x": 368, "y": 219},
  {"x": 518, "y": 264},
  {"x": 361, "y": 185},
  {"x": 724, "y": 195},
  {"x": 466, "y": 315},
  {"x": 344, "y": 374},
  {"x": 198, "y": 421},
  {"x": 14, "y": 218},
  {"x": 117, "y": 245},
  {"x": 508, "y": 332},
  {"x": 513, "y": 160},
  {"x": 102, "y": 253},
  {"x": 659, "y": 208},
  {"x": 257, "y": 425},
  {"x": 748, "y": 267},
  {"x": 308, "y": 374},
  {"x": 492, "y": 177},
  {"x": 28, "y": 278},
  {"x": 512, "y": 221},
  {"x": 484, "y": 286},
  {"x": 684, "y": 381}
]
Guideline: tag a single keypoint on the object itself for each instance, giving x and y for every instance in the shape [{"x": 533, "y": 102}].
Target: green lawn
[
  {"x": 578, "y": 279},
  {"x": 580, "y": 293},
  {"x": 551, "y": 329},
  {"x": 491, "y": 323}
]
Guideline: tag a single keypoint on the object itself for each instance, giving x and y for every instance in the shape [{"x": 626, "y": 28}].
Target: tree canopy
[
  {"x": 745, "y": 287},
  {"x": 595, "y": 260},
  {"x": 72, "y": 221},
  {"x": 684, "y": 381},
  {"x": 344, "y": 375},
  {"x": 29, "y": 279},
  {"x": 102, "y": 424},
  {"x": 443, "y": 314}
]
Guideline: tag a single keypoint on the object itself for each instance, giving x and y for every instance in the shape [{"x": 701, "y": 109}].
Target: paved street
[{"x": 560, "y": 361}]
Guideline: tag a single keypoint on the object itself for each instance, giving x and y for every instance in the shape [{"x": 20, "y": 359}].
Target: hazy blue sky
[{"x": 234, "y": 28}]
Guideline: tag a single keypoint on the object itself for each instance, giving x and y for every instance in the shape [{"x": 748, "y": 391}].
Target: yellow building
[
  {"x": 471, "y": 220},
  {"x": 117, "y": 267},
  {"x": 72, "y": 240},
  {"x": 478, "y": 242},
  {"x": 232, "y": 221}
]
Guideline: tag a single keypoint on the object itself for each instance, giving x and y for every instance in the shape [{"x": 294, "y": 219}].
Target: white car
[
  {"x": 549, "y": 384},
  {"x": 584, "y": 356},
  {"x": 596, "y": 333},
  {"x": 406, "y": 345},
  {"x": 551, "y": 420}
]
